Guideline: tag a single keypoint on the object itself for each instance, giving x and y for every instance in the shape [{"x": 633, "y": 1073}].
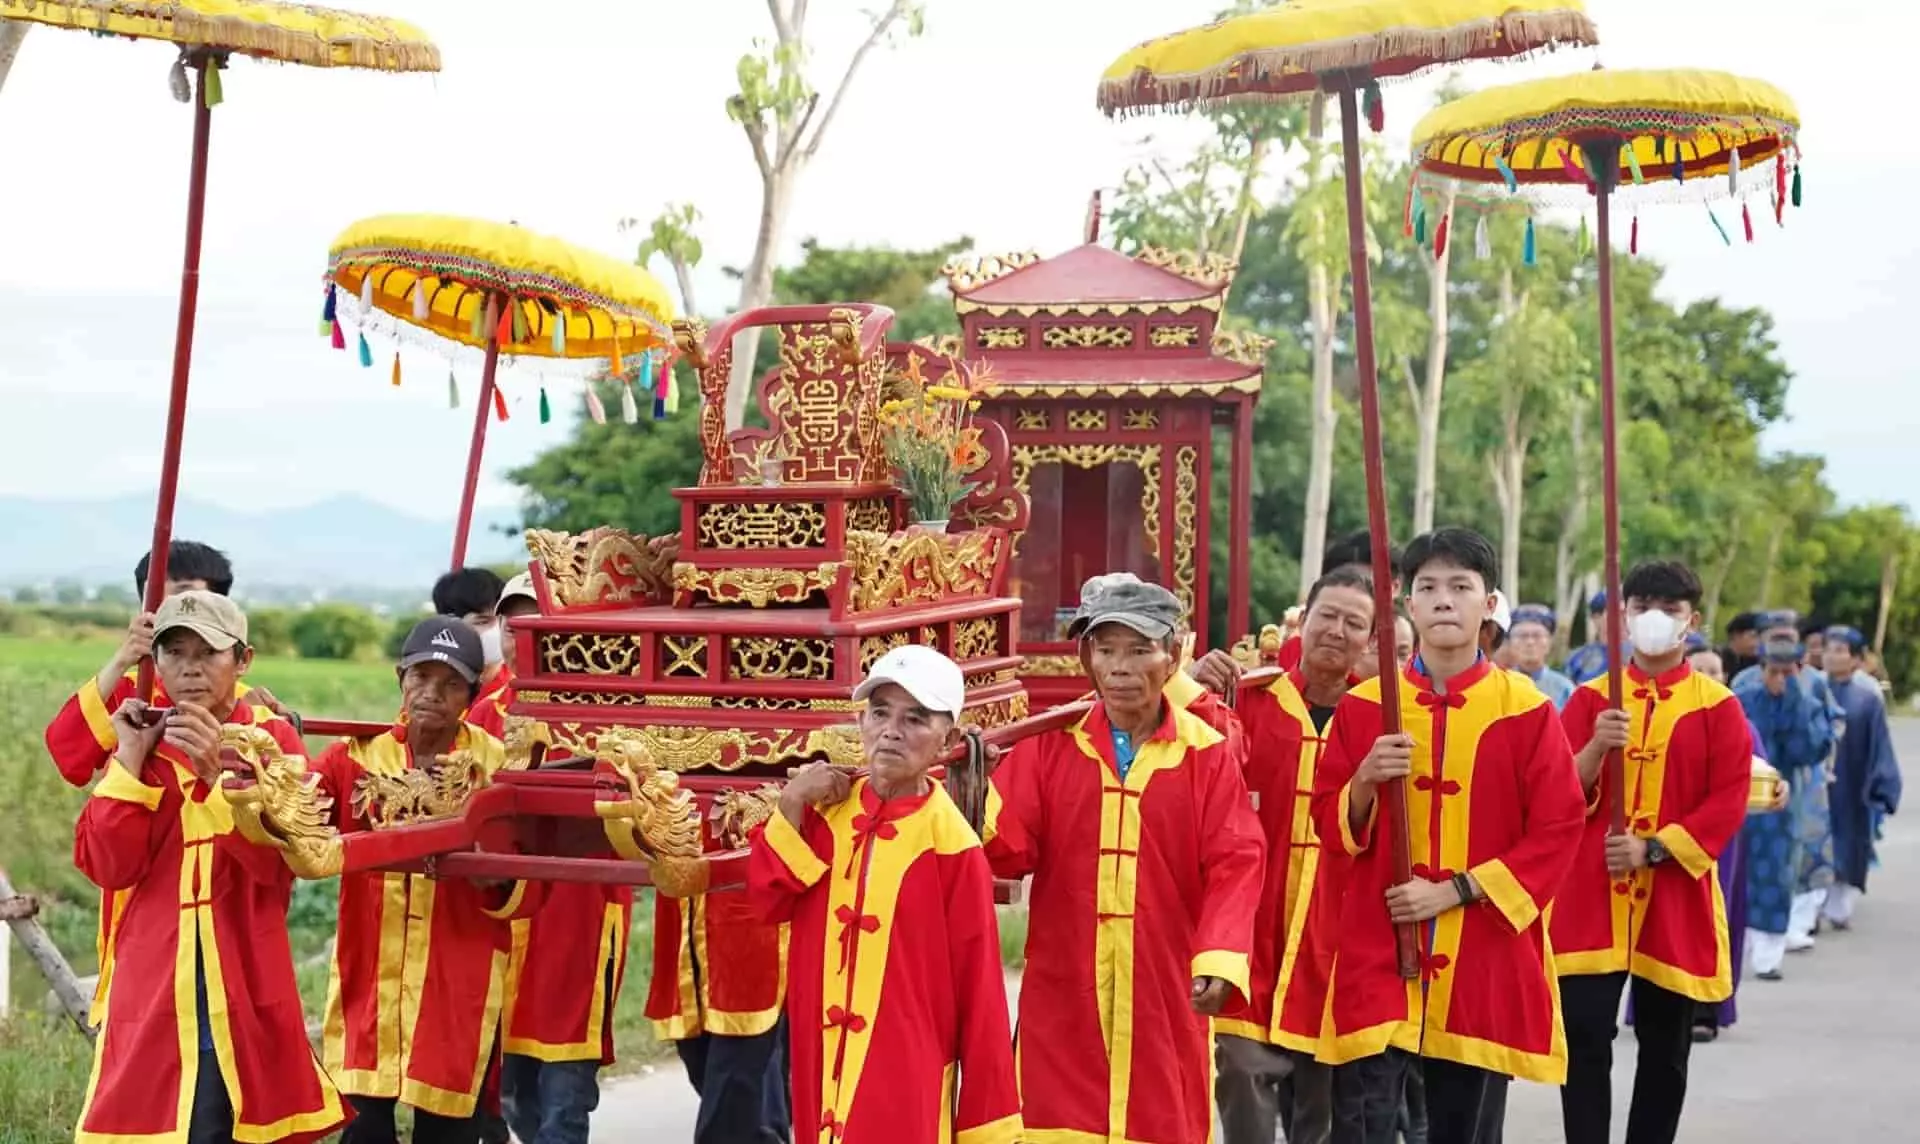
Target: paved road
[{"x": 1825, "y": 1055}]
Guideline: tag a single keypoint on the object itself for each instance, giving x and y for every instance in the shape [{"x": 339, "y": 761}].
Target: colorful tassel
[
  {"x": 396, "y": 369},
  {"x": 328, "y": 309},
  {"x": 1717, "y": 225},
  {"x": 595, "y": 409},
  {"x": 366, "y": 353},
  {"x": 560, "y": 334},
  {"x": 546, "y": 409},
  {"x": 177, "y": 81},
  {"x": 1746, "y": 221},
  {"x": 1573, "y": 169},
  {"x": 1376, "y": 108},
  {"x": 629, "y": 409},
  {"x": 643, "y": 375},
  {"x": 1633, "y": 236},
  {"x": 339, "y": 336},
  {"x": 617, "y": 367},
  {"x": 1733, "y": 171},
  {"x": 1796, "y": 185},
  {"x": 1482, "y": 240},
  {"x": 519, "y": 323},
  {"x": 1780, "y": 189},
  {"x": 1506, "y": 172},
  {"x": 1406, "y": 211},
  {"x": 1527, "y": 252},
  {"x": 422, "y": 305},
  {"x": 210, "y": 91},
  {"x": 1633, "y": 165},
  {"x": 366, "y": 290},
  {"x": 477, "y": 328},
  {"x": 503, "y": 329},
  {"x": 499, "y": 403},
  {"x": 1440, "y": 238},
  {"x": 1420, "y": 221},
  {"x": 669, "y": 390},
  {"x": 453, "y": 390},
  {"x": 1660, "y": 147},
  {"x": 1679, "y": 171}
]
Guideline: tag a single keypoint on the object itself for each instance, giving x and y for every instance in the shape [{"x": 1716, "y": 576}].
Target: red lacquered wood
[{"x": 1603, "y": 160}]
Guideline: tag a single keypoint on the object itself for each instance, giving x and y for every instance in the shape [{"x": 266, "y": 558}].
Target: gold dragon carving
[
  {"x": 419, "y": 794},
  {"x": 655, "y": 822},
  {"x": 682, "y": 748},
  {"x": 282, "y": 806},
  {"x": 1002, "y": 337},
  {"x": 913, "y": 567},
  {"x": 605, "y": 565},
  {"x": 1243, "y": 347},
  {"x": 735, "y": 813},
  {"x": 1087, "y": 337},
  {"x": 968, "y": 274},
  {"x": 1052, "y": 665},
  {"x": 754, "y": 587},
  {"x": 1212, "y": 270},
  {"x": 1173, "y": 336}
]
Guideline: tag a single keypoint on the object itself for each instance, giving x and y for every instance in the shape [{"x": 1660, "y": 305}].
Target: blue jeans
[{"x": 549, "y": 1102}]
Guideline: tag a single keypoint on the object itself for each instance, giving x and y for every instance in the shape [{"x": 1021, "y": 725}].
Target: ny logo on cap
[
  {"x": 445, "y": 639},
  {"x": 189, "y": 605}
]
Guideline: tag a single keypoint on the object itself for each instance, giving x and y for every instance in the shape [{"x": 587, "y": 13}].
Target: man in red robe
[
  {"x": 568, "y": 959},
  {"x": 1267, "y": 1076},
  {"x": 1353, "y": 554},
  {"x": 1494, "y": 812},
  {"x": 897, "y": 1001},
  {"x": 205, "y": 916},
  {"x": 1146, "y": 860},
  {"x": 1645, "y": 906},
  {"x": 420, "y": 964}
]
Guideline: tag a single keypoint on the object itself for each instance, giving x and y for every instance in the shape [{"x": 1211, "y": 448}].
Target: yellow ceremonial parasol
[
  {"x": 1344, "y": 48},
  {"x": 1672, "y": 132},
  {"x": 501, "y": 289},
  {"x": 208, "y": 32}
]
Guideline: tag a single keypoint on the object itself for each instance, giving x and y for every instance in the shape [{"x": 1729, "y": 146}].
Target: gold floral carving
[
  {"x": 681, "y": 702},
  {"x": 535, "y": 696},
  {"x": 1242, "y": 347},
  {"x": 966, "y": 275},
  {"x": 683, "y": 749},
  {"x": 604, "y": 565},
  {"x": 873, "y": 647},
  {"x": 1002, "y": 338},
  {"x": 780, "y": 657},
  {"x": 870, "y": 516},
  {"x": 419, "y": 795},
  {"x": 998, "y": 713},
  {"x": 976, "y": 638},
  {"x": 280, "y": 804},
  {"x": 594, "y": 699},
  {"x": 520, "y": 735},
  {"x": 590, "y": 653},
  {"x": 768, "y": 703},
  {"x": 989, "y": 678},
  {"x": 1144, "y": 457},
  {"x": 1086, "y": 420},
  {"x": 683, "y": 656},
  {"x": 892, "y": 570},
  {"x": 1087, "y": 337},
  {"x": 1186, "y": 515},
  {"x": 1030, "y": 419},
  {"x": 754, "y": 587},
  {"x": 1140, "y": 420},
  {"x": 762, "y": 525},
  {"x": 736, "y": 812},
  {"x": 1174, "y": 336},
  {"x": 1053, "y": 665},
  {"x": 1212, "y": 270}
]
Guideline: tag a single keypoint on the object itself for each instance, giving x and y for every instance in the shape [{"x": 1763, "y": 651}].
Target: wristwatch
[{"x": 1657, "y": 852}]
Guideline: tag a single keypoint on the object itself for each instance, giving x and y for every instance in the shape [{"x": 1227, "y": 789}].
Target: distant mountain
[{"x": 340, "y": 543}]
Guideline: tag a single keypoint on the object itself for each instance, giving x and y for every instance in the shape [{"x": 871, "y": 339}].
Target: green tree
[
  {"x": 671, "y": 236},
  {"x": 270, "y": 631},
  {"x": 334, "y": 631}
]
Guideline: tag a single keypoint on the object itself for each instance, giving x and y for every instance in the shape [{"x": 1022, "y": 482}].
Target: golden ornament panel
[
  {"x": 780, "y": 658},
  {"x": 1186, "y": 535},
  {"x": 604, "y": 565},
  {"x": 754, "y": 587},
  {"x": 776, "y": 525},
  {"x": 892, "y": 570},
  {"x": 1001, "y": 338},
  {"x": 1086, "y": 420},
  {"x": 1087, "y": 337},
  {"x": 1174, "y": 336},
  {"x": 591, "y": 653},
  {"x": 683, "y": 657}
]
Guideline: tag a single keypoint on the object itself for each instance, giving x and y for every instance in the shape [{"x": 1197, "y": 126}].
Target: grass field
[{"x": 43, "y": 1062}]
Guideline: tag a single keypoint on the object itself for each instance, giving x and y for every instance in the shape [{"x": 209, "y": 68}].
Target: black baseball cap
[{"x": 442, "y": 639}]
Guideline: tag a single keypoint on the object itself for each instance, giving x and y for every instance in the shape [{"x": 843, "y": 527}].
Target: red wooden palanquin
[{"x": 1112, "y": 374}]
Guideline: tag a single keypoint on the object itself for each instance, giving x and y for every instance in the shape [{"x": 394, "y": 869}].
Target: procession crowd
[{"x": 1222, "y": 921}]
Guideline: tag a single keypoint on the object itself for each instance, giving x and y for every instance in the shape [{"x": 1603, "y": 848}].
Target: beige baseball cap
[
  {"x": 519, "y": 588},
  {"x": 210, "y": 616}
]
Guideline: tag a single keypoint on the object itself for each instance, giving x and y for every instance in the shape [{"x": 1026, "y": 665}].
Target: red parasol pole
[
  {"x": 482, "y": 409},
  {"x": 156, "y": 586},
  {"x": 1393, "y": 795},
  {"x": 1603, "y": 165}
]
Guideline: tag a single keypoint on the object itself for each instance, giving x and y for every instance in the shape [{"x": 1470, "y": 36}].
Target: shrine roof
[
  {"x": 1030, "y": 375},
  {"x": 1096, "y": 274}
]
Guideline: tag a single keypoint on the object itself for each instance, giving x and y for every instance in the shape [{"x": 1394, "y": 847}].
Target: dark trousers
[
  {"x": 1260, "y": 1087},
  {"x": 212, "y": 1118},
  {"x": 549, "y": 1102},
  {"x": 742, "y": 1082},
  {"x": 1663, "y": 1024},
  {"x": 1465, "y": 1105},
  {"x": 373, "y": 1123}
]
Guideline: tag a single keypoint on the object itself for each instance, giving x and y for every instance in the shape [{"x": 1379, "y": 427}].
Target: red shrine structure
[{"x": 1113, "y": 374}]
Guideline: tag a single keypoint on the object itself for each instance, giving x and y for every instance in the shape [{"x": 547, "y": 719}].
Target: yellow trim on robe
[
  {"x": 686, "y": 1020},
  {"x": 1182, "y": 689},
  {"x": 793, "y": 851},
  {"x": 610, "y": 949},
  {"x": 1503, "y": 890},
  {"x": 122, "y": 785},
  {"x": 1006, "y": 1130},
  {"x": 1228, "y": 966},
  {"x": 1347, "y": 838},
  {"x": 512, "y": 904},
  {"x": 93, "y": 708},
  {"x": 1680, "y": 843}
]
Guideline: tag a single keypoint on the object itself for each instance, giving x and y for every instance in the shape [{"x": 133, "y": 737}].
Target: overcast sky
[{"x": 567, "y": 123}]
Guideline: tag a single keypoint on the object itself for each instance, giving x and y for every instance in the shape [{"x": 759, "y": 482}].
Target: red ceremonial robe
[
  {"x": 1493, "y": 792},
  {"x": 1139, "y": 886},
  {"x": 897, "y": 1003},
  {"x": 1299, "y": 901},
  {"x": 190, "y": 882},
  {"x": 420, "y": 964},
  {"x": 1689, "y": 764},
  {"x": 81, "y": 740},
  {"x": 569, "y": 959},
  {"x": 740, "y": 983}
]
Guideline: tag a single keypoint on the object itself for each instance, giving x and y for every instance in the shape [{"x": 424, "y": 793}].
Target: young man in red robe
[
  {"x": 1267, "y": 1075},
  {"x": 568, "y": 960},
  {"x": 420, "y": 964},
  {"x": 1645, "y": 906},
  {"x": 897, "y": 1001},
  {"x": 1494, "y": 812},
  {"x": 1146, "y": 860},
  {"x": 205, "y": 916}
]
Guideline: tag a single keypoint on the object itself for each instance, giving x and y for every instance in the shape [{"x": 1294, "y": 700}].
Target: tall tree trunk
[
  {"x": 1723, "y": 568},
  {"x": 1889, "y": 582},
  {"x": 756, "y": 287},
  {"x": 683, "y": 277},
  {"x": 11, "y": 33},
  {"x": 1509, "y": 467},
  {"x": 1427, "y": 459},
  {"x": 1313, "y": 539},
  {"x": 1567, "y": 593},
  {"x": 1764, "y": 597},
  {"x": 1256, "y": 156}
]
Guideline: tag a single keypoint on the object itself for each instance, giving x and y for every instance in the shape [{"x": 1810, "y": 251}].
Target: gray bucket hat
[{"x": 1123, "y": 598}]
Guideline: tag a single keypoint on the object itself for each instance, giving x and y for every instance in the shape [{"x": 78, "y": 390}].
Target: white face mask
[
  {"x": 1655, "y": 633},
  {"x": 490, "y": 644}
]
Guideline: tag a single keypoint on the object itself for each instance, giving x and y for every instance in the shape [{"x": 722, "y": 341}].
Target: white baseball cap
[
  {"x": 932, "y": 679},
  {"x": 1502, "y": 611},
  {"x": 519, "y": 588}
]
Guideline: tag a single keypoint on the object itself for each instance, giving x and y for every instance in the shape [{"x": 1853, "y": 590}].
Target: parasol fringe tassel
[
  {"x": 366, "y": 353},
  {"x": 1733, "y": 171},
  {"x": 1633, "y": 165},
  {"x": 339, "y": 336},
  {"x": 453, "y": 390},
  {"x": 1420, "y": 221},
  {"x": 478, "y": 327},
  {"x": 1780, "y": 189},
  {"x": 1317, "y": 115},
  {"x": 1506, "y": 173},
  {"x": 1633, "y": 235},
  {"x": 503, "y": 329},
  {"x": 643, "y": 373},
  {"x": 328, "y": 309},
  {"x": 1582, "y": 241},
  {"x": 520, "y": 331},
  {"x": 1528, "y": 253},
  {"x": 1376, "y": 107},
  {"x": 595, "y": 409},
  {"x": 210, "y": 90},
  {"x": 396, "y": 369},
  {"x": 1746, "y": 221},
  {"x": 177, "y": 80},
  {"x": 381, "y": 326},
  {"x": 1440, "y": 238},
  {"x": 1406, "y": 208},
  {"x": 1540, "y": 32},
  {"x": 629, "y": 409},
  {"x": 1482, "y": 240},
  {"x": 560, "y": 334},
  {"x": 546, "y": 408},
  {"x": 366, "y": 290},
  {"x": 1796, "y": 185},
  {"x": 1574, "y": 171},
  {"x": 499, "y": 403},
  {"x": 422, "y": 305},
  {"x": 616, "y": 366},
  {"x": 669, "y": 389},
  {"x": 1719, "y": 226},
  {"x": 375, "y": 45}
]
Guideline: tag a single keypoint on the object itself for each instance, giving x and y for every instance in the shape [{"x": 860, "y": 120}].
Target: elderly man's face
[
  {"x": 434, "y": 696},
  {"x": 900, "y": 739},
  {"x": 1128, "y": 670},
  {"x": 1531, "y": 642}
]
